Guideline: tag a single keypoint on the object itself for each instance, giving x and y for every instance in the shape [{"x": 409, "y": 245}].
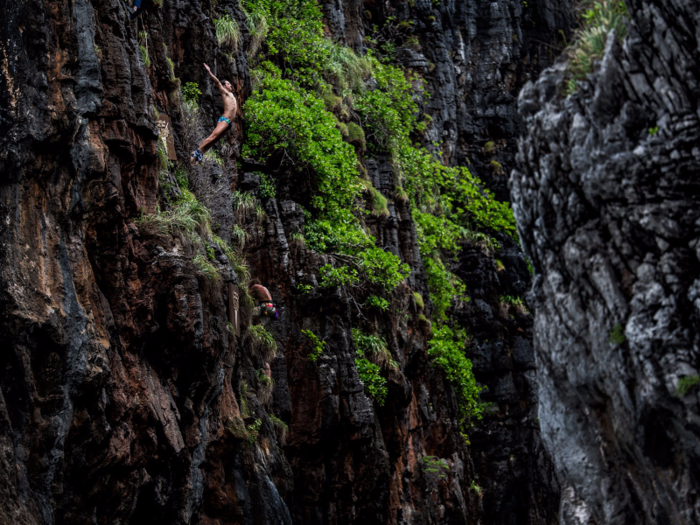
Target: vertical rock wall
[
  {"x": 124, "y": 397},
  {"x": 607, "y": 204}
]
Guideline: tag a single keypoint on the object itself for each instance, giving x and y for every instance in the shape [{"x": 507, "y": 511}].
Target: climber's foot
[{"x": 197, "y": 156}]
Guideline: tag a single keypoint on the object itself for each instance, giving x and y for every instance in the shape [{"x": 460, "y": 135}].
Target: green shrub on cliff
[{"x": 446, "y": 350}]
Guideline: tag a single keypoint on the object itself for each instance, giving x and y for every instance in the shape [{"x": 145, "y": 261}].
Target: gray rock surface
[{"x": 608, "y": 204}]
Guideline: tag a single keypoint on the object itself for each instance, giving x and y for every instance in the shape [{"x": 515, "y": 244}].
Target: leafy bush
[
  {"x": 267, "y": 187},
  {"x": 253, "y": 431},
  {"x": 334, "y": 277},
  {"x": 377, "y": 302},
  {"x": 191, "y": 92},
  {"x": 375, "y": 384},
  {"x": 317, "y": 346},
  {"x": 446, "y": 350}
]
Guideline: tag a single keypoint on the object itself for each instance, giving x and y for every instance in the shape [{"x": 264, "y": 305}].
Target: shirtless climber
[
  {"x": 230, "y": 105},
  {"x": 266, "y": 308}
]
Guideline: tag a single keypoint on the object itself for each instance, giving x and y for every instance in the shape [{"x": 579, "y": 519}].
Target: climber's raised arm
[{"x": 218, "y": 84}]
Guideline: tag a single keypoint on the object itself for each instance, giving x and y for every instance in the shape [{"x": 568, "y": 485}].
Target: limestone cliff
[
  {"x": 125, "y": 396},
  {"x": 607, "y": 203}
]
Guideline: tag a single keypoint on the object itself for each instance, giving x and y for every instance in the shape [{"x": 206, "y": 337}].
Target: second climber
[
  {"x": 230, "y": 106},
  {"x": 262, "y": 296}
]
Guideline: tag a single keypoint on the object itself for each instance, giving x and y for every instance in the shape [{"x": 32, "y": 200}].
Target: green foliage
[
  {"x": 207, "y": 268},
  {"x": 653, "y": 131},
  {"x": 446, "y": 350},
  {"x": 304, "y": 288},
  {"x": 473, "y": 486},
  {"x": 375, "y": 384},
  {"x": 334, "y": 277},
  {"x": 244, "y": 205},
  {"x": 257, "y": 27},
  {"x": 356, "y": 135},
  {"x": 317, "y": 346},
  {"x": 213, "y": 156},
  {"x": 262, "y": 341},
  {"x": 434, "y": 466},
  {"x": 253, "y": 431},
  {"x": 517, "y": 302},
  {"x": 489, "y": 147},
  {"x": 267, "y": 187},
  {"x": 685, "y": 384},
  {"x": 369, "y": 344},
  {"x": 144, "y": 55},
  {"x": 617, "y": 335},
  {"x": 227, "y": 31},
  {"x": 286, "y": 118},
  {"x": 379, "y": 203},
  {"x": 377, "y": 302},
  {"x": 418, "y": 298},
  {"x": 599, "y": 18},
  {"x": 186, "y": 215},
  {"x": 191, "y": 92},
  {"x": 263, "y": 378},
  {"x": 278, "y": 422},
  {"x": 496, "y": 168}
]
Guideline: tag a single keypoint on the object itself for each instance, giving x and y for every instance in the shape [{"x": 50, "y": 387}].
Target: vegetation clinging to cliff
[{"x": 308, "y": 93}]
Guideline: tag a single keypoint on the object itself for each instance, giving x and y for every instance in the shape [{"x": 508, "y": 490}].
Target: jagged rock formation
[
  {"x": 607, "y": 202},
  {"x": 123, "y": 394}
]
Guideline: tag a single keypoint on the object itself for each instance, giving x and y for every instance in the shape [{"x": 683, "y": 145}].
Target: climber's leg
[{"x": 219, "y": 130}]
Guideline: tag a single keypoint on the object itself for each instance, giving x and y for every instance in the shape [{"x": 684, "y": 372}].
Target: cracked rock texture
[
  {"x": 608, "y": 204},
  {"x": 124, "y": 397}
]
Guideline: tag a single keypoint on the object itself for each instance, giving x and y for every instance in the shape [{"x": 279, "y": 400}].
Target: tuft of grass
[
  {"x": 208, "y": 269},
  {"x": 281, "y": 429},
  {"x": 228, "y": 33},
  {"x": 258, "y": 28},
  {"x": 187, "y": 215},
  {"x": 685, "y": 384},
  {"x": 266, "y": 385},
  {"x": 599, "y": 18},
  {"x": 356, "y": 136},
  {"x": 239, "y": 237},
  {"x": 244, "y": 204},
  {"x": 262, "y": 342},
  {"x": 345, "y": 67},
  {"x": 374, "y": 347},
  {"x": 418, "y": 298},
  {"x": 214, "y": 157},
  {"x": 145, "y": 57},
  {"x": 496, "y": 168},
  {"x": 378, "y": 202}
]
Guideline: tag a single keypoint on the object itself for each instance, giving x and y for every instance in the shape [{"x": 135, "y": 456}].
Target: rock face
[
  {"x": 608, "y": 209},
  {"x": 125, "y": 397}
]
